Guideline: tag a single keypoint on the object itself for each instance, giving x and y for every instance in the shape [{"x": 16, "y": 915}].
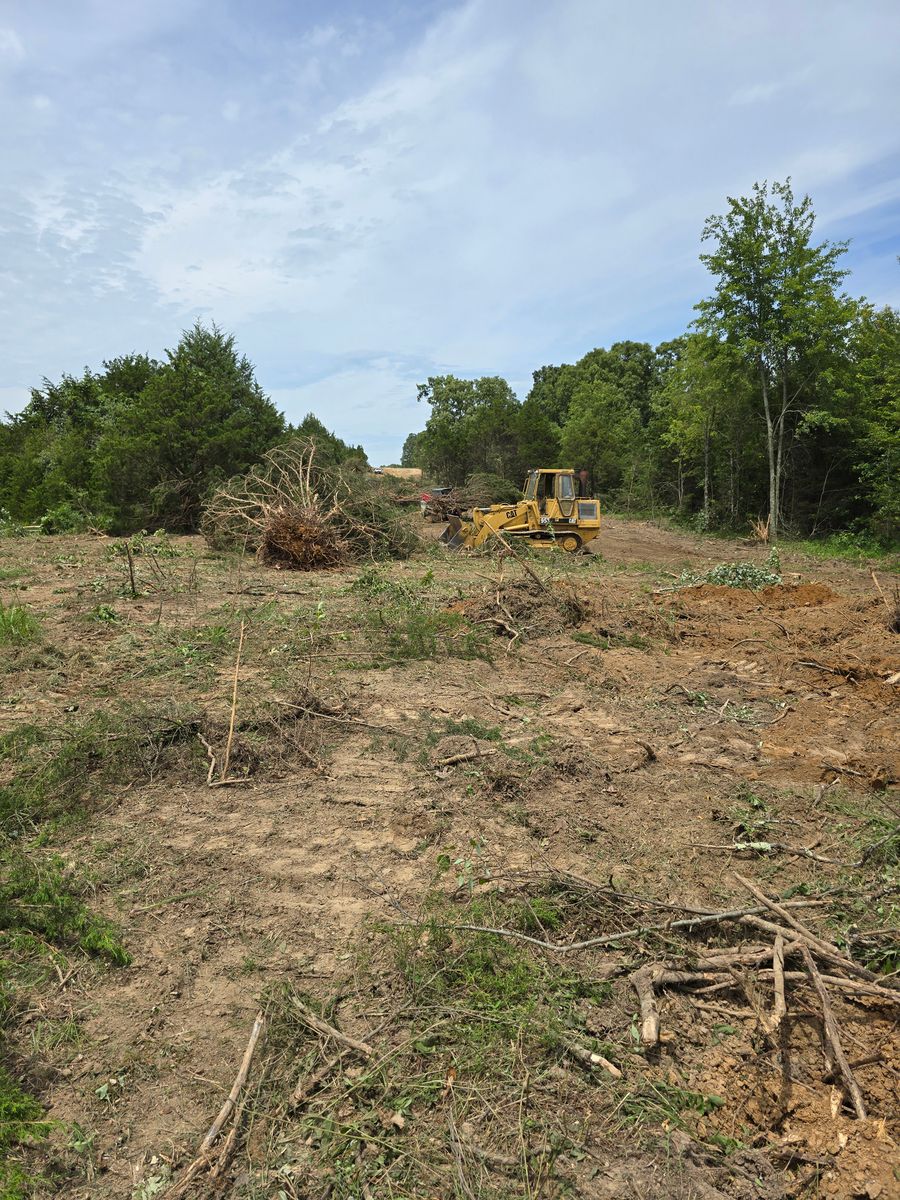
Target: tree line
[
  {"x": 141, "y": 443},
  {"x": 781, "y": 401}
]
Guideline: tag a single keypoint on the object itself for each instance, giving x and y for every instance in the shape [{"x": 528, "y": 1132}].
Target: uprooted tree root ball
[{"x": 297, "y": 513}]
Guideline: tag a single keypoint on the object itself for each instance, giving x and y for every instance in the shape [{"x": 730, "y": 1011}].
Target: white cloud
[
  {"x": 11, "y": 45},
  {"x": 757, "y": 93}
]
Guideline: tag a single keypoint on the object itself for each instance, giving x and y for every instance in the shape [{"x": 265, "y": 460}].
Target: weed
[
  {"x": 658, "y": 1102},
  {"x": 412, "y": 631},
  {"x": 105, "y": 614},
  {"x": 154, "y": 1185},
  {"x": 9, "y": 527},
  {"x": 43, "y": 896},
  {"x": 158, "y": 544},
  {"x": 21, "y": 1126},
  {"x": 752, "y": 818},
  {"x": 17, "y": 624}
]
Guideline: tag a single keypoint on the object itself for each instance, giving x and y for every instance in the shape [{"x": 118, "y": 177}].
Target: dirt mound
[
  {"x": 798, "y": 595},
  {"x": 778, "y": 596}
]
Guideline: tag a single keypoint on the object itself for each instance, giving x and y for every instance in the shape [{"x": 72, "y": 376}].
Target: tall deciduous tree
[
  {"x": 471, "y": 427},
  {"x": 776, "y": 301}
]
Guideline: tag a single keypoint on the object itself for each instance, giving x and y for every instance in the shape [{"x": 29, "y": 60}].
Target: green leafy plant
[
  {"x": 105, "y": 614},
  {"x": 158, "y": 544},
  {"x": 9, "y": 527},
  {"x": 737, "y": 575}
]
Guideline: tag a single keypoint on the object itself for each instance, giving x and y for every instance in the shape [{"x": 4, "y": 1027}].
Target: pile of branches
[
  {"x": 479, "y": 491},
  {"x": 787, "y": 955},
  {"x": 297, "y": 513}
]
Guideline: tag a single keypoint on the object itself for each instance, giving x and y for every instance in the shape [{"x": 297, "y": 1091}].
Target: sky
[{"x": 370, "y": 193}]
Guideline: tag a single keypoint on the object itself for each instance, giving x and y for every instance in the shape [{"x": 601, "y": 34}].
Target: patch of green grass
[
  {"x": 53, "y": 769},
  {"x": 849, "y": 547},
  {"x": 18, "y": 625},
  {"x": 414, "y": 631},
  {"x": 190, "y": 653},
  {"x": 43, "y": 896},
  {"x": 467, "y": 1051},
  {"x": 405, "y": 622},
  {"x": 22, "y": 1125},
  {"x": 467, "y": 727},
  {"x": 866, "y": 916}
]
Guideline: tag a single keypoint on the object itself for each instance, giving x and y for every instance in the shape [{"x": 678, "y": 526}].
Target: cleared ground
[{"x": 445, "y": 742}]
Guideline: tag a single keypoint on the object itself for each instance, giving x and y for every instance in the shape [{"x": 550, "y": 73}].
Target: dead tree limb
[
  {"x": 833, "y": 1037},
  {"x": 779, "y": 1008},
  {"x": 316, "y": 1022},
  {"x": 643, "y": 981},
  {"x": 203, "y": 1155}
]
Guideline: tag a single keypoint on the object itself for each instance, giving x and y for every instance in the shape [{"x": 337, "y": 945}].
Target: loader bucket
[{"x": 454, "y": 535}]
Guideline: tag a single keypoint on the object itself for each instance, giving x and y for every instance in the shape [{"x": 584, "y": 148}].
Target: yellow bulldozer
[{"x": 550, "y": 514}]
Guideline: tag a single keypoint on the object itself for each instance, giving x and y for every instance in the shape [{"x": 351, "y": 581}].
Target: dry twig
[
  {"x": 204, "y": 1156},
  {"x": 234, "y": 696}
]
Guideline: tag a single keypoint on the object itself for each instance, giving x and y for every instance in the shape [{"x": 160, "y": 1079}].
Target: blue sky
[{"x": 366, "y": 194}]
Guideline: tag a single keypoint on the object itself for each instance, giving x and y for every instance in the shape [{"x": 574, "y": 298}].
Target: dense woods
[
  {"x": 782, "y": 400},
  {"x": 142, "y": 443}
]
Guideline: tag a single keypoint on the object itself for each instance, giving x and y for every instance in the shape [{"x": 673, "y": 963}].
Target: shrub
[{"x": 64, "y": 518}]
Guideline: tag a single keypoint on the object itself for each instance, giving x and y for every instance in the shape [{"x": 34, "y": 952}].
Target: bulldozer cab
[{"x": 554, "y": 492}]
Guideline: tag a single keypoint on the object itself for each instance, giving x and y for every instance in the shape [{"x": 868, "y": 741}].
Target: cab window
[
  {"x": 566, "y": 488},
  {"x": 531, "y": 486}
]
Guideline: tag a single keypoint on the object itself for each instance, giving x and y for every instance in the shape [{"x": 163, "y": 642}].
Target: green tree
[
  {"x": 701, "y": 392},
  {"x": 609, "y": 408},
  {"x": 875, "y": 355},
  {"x": 471, "y": 427},
  {"x": 411, "y": 455},
  {"x": 201, "y": 417},
  {"x": 776, "y": 302},
  {"x": 330, "y": 449}
]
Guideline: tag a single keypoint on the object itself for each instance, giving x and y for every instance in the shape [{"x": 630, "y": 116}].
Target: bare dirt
[{"x": 667, "y": 720}]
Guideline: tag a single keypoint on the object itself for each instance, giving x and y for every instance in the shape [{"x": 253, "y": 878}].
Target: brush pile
[
  {"x": 298, "y": 514},
  {"x": 479, "y": 491}
]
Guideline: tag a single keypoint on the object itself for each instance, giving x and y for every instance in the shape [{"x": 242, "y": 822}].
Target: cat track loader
[{"x": 550, "y": 514}]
